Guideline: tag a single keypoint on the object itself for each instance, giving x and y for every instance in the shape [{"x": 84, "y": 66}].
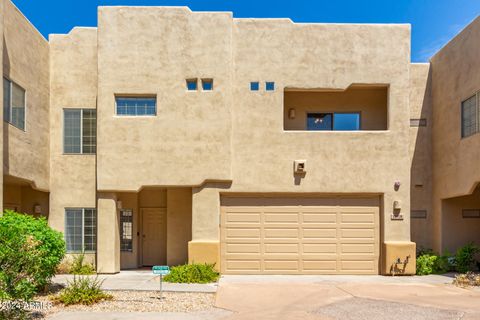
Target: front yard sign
[{"x": 162, "y": 271}]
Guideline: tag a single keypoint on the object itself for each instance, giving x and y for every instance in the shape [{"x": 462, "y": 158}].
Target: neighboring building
[{"x": 264, "y": 146}]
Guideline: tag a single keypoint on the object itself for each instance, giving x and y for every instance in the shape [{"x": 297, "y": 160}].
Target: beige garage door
[{"x": 303, "y": 235}]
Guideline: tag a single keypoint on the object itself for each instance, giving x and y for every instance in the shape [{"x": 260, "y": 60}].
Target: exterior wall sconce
[
  {"x": 37, "y": 209},
  {"x": 300, "y": 166},
  {"x": 291, "y": 113},
  {"x": 119, "y": 204},
  {"x": 396, "y": 185}
]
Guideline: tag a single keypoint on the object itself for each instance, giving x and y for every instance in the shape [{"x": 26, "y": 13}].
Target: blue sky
[{"x": 434, "y": 22}]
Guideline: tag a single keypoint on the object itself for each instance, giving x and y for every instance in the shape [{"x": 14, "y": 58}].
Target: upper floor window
[
  {"x": 470, "y": 116},
  {"x": 207, "y": 84},
  {"x": 79, "y": 131},
  {"x": 269, "y": 86},
  {"x": 81, "y": 229},
  {"x": 333, "y": 121},
  {"x": 136, "y": 106},
  {"x": 13, "y": 104},
  {"x": 192, "y": 84},
  {"x": 254, "y": 86}
]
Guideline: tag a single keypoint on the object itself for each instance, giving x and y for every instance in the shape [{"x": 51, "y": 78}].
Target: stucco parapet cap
[
  {"x": 74, "y": 30},
  {"x": 288, "y": 20}
]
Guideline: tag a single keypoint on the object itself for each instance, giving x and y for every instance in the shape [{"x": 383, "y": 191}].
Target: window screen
[
  {"x": 126, "y": 230},
  {"x": 80, "y": 131},
  {"x": 136, "y": 106},
  {"x": 319, "y": 121},
  {"x": 469, "y": 116},
  {"x": 346, "y": 121},
  {"x": 14, "y": 104},
  {"x": 80, "y": 230}
]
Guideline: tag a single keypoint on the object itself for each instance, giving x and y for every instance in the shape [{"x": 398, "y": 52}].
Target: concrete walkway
[
  {"x": 346, "y": 298},
  {"x": 139, "y": 280}
]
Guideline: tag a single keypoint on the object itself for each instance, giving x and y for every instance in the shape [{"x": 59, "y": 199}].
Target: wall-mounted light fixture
[
  {"x": 119, "y": 204},
  {"x": 291, "y": 113},
  {"x": 37, "y": 209}
]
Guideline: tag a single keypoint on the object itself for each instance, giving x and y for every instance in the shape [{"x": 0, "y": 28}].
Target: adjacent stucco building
[{"x": 267, "y": 147}]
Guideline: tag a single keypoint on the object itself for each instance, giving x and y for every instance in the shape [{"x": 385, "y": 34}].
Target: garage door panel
[
  {"x": 281, "y": 233},
  {"x": 281, "y": 265},
  {"x": 320, "y": 233},
  {"x": 281, "y": 248},
  {"x": 241, "y": 233},
  {"x": 319, "y": 248},
  {"x": 243, "y": 248},
  {"x": 337, "y": 235}
]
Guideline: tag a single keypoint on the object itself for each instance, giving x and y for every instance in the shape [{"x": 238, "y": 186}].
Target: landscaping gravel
[{"x": 143, "y": 301}]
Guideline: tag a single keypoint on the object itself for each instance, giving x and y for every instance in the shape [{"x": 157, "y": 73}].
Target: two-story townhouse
[{"x": 261, "y": 145}]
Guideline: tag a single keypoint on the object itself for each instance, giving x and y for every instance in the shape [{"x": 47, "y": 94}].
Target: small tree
[{"x": 30, "y": 251}]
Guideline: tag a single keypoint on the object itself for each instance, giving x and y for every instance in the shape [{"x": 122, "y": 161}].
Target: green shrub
[
  {"x": 429, "y": 262},
  {"x": 82, "y": 290},
  {"x": 79, "y": 266},
  {"x": 465, "y": 258},
  {"x": 29, "y": 253},
  {"x": 192, "y": 273}
]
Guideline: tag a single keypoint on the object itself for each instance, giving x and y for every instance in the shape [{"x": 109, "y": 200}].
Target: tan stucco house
[{"x": 265, "y": 146}]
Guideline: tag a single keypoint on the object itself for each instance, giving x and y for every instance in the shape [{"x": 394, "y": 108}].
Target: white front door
[{"x": 154, "y": 236}]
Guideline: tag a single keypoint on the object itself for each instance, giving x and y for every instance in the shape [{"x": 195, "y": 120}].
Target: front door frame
[{"x": 163, "y": 210}]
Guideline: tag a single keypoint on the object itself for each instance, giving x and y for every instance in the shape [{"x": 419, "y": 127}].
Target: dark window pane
[
  {"x": 254, "y": 86},
  {"x": 6, "y": 100},
  {"x": 319, "y": 121},
  {"x": 126, "y": 230},
  {"x": 131, "y": 106},
  {"x": 207, "y": 84},
  {"x": 18, "y": 106},
  {"x": 191, "y": 84},
  {"x": 469, "y": 117},
  {"x": 89, "y": 134},
  {"x": 270, "y": 86},
  {"x": 346, "y": 121},
  {"x": 71, "y": 130}
]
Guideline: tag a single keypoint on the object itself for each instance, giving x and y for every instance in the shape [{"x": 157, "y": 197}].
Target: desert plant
[
  {"x": 465, "y": 258},
  {"x": 467, "y": 279},
  {"x": 79, "y": 266},
  {"x": 429, "y": 263},
  {"x": 82, "y": 290},
  {"x": 29, "y": 253},
  {"x": 193, "y": 273}
]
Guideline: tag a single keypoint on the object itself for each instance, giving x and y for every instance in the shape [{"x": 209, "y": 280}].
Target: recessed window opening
[
  {"x": 333, "y": 121},
  {"x": 192, "y": 84},
  {"x": 81, "y": 230},
  {"x": 207, "y": 84},
  {"x": 79, "y": 131},
  {"x": 269, "y": 86},
  {"x": 126, "y": 230},
  {"x": 254, "y": 86},
  {"x": 14, "y": 104},
  {"x": 136, "y": 106},
  {"x": 470, "y": 116}
]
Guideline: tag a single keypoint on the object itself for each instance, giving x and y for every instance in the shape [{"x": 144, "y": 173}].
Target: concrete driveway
[{"x": 346, "y": 298}]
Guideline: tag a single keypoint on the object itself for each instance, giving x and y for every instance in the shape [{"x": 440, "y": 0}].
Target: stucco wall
[
  {"x": 73, "y": 67},
  {"x": 455, "y": 77},
  {"x": 337, "y": 162},
  {"x": 152, "y": 50},
  {"x": 370, "y": 102},
  {"x": 421, "y": 153},
  {"x": 179, "y": 224},
  {"x": 26, "y": 62}
]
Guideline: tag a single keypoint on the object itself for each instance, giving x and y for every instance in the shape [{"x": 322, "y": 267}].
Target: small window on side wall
[
  {"x": 254, "y": 86},
  {"x": 14, "y": 104},
  {"x": 207, "y": 84},
  {"x": 191, "y": 84},
  {"x": 269, "y": 86},
  {"x": 470, "y": 116},
  {"x": 126, "y": 230},
  {"x": 79, "y": 131},
  {"x": 471, "y": 213}
]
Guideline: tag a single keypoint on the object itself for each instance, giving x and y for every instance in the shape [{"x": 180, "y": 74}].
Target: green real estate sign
[{"x": 161, "y": 270}]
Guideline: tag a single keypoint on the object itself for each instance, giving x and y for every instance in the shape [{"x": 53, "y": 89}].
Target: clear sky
[{"x": 434, "y": 22}]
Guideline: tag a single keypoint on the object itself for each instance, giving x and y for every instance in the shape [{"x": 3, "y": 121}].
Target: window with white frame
[
  {"x": 470, "y": 116},
  {"x": 126, "y": 230},
  {"x": 81, "y": 229},
  {"x": 14, "y": 104},
  {"x": 136, "y": 106},
  {"x": 79, "y": 131}
]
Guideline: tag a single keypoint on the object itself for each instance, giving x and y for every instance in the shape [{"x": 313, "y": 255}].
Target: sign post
[{"x": 162, "y": 271}]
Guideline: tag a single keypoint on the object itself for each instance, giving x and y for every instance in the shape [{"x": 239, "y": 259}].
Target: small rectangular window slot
[
  {"x": 207, "y": 84},
  {"x": 254, "y": 86},
  {"x": 269, "y": 86},
  {"x": 418, "y": 122},
  {"x": 418, "y": 214},
  {"x": 191, "y": 84},
  {"x": 471, "y": 213}
]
